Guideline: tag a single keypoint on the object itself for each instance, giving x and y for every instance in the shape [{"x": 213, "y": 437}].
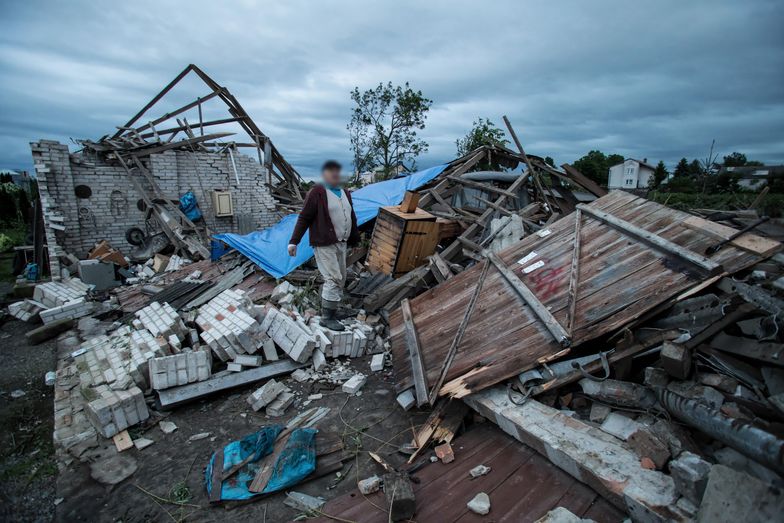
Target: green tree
[
  {"x": 383, "y": 127},
  {"x": 737, "y": 159},
  {"x": 483, "y": 132},
  {"x": 659, "y": 175},
  {"x": 549, "y": 161},
  {"x": 596, "y": 165},
  {"x": 682, "y": 169}
]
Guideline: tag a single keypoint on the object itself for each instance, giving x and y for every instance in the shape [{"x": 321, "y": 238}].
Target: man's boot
[{"x": 328, "y": 310}]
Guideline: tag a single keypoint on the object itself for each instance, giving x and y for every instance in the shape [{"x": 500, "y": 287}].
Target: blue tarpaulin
[
  {"x": 268, "y": 248},
  {"x": 295, "y": 462}
]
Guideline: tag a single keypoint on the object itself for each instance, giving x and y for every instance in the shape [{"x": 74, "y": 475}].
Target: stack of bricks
[
  {"x": 266, "y": 394},
  {"x": 228, "y": 325},
  {"x": 115, "y": 410},
  {"x": 105, "y": 360},
  {"x": 162, "y": 321},
  {"x": 26, "y": 310},
  {"x": 353, "y": 342},
  {"x": 144, "y": 347},
  {"x": 72, "y": 429},
  {"x": 63, "y": 300},
  {"x": 180, "y": 369},
  {"x": 53, "y": 294},
  {"x": 293, "y": 336},
  {"x": 176, "y": 263}
]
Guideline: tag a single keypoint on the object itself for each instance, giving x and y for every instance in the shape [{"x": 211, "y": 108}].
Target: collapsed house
[{"x": 628, "y": 353}]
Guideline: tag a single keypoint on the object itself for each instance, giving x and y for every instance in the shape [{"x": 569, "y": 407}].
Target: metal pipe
[{"x": 753, "y": 442}]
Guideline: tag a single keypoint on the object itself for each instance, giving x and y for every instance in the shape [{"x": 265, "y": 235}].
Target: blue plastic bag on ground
[{"x": 296, "y": 461}]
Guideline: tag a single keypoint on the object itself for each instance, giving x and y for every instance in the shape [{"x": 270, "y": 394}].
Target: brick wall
[{"x": 75, "y": 224}]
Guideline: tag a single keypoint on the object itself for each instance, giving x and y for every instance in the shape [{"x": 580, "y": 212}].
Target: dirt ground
[
  {"x": 27, "y": 461},
  {"x": 173, "y": 467}
]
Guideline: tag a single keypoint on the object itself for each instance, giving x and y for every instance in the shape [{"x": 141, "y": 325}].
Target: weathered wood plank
[
  {"x": 697, "y": 260},
  {"x": 414, "y": 354}
]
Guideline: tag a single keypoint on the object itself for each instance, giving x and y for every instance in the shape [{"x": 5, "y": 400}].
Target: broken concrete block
[
  {"x": 142, "y": 443},
  {"x": 303, "y": 502},
  {"x": 690, "y": 473},
  {"x": 300, "y": 375},
  {"x": 353, "y": 385},
  {"x": 676, "y": 360},
  {"x": 445, "y": 453},
  {"x": 479, "y": 470},
  {"x": 562, "y": 515},
  {"x": 734, "y": 496},
  {"x": 480, "y": 504},
  {"x": 248, "y": 360},
  {"x": 599, "y": 412},
  {"x": 620, "y": 426},
  {"x": 377, "y": 363},
  {"x": 265, "y": 394},
  {"x": 406, "y": 399},
  {"x": 598, "y": 459},
  {"x": 647, "y": 445},
  {"x": 369, "y": 485},
  {"x": 167, "y": 427},
  {"x": 319, "y": 360},
  {"x": 282, "y": 290},
  {"x": 234, "y": 367},
  {"x": 279, "y": 405}
]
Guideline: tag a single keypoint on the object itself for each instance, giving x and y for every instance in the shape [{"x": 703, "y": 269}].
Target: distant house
[
  {"x": 20, "y": 178},
  {"x": 630, "y": 174},
  {"x": 754, "y": 177},
  {"x": 377, "y": 174}
]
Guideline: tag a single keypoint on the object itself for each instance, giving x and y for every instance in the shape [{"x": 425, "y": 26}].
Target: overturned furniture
[
  {"x": 402, "y": 239},
  {"x": 583, "y": 276}
]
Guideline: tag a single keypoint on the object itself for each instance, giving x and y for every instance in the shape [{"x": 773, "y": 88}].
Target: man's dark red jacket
[{"x": 315, "y": 216}]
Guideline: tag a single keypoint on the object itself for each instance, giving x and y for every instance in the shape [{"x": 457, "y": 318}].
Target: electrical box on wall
[{"x": 222, "y": 204}]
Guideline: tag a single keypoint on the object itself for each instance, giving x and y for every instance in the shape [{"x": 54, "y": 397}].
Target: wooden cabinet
[{"x": 402, "y": 241}]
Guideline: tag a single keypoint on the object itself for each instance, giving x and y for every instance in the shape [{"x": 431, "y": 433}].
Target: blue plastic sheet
[
  {"x": 268, "y": 248},
  {"x": 189, "y": 207},
  {"x": 295, "y": 462}
]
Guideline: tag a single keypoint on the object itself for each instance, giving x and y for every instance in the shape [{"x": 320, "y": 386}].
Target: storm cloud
[{"x": 644, "y": 79}]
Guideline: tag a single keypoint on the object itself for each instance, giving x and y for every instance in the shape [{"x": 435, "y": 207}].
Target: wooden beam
[
  {"x": 655, "y": 241},
  {"x": 482, "y": 186},
  {"x": 450, "y": 355},
  {"x": 414, "y": 353},
  {"x": 456, "y": 247},
  {"x": 156, "y": 98},
  {"x": 574, "y": 274},
  {"x": 181, "y": 143},
  {"x": 583, "y": 181},
  {"x": 542, "y": 312},
  {"x": 184, "y": 127},
  {"x": 178, "y": 395}
]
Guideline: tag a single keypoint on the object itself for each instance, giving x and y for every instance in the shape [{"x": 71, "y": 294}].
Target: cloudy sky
[{"x": 659, "y": 80}]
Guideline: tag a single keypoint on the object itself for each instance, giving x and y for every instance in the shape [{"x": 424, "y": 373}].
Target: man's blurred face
[{"x": 331, "y": 176}]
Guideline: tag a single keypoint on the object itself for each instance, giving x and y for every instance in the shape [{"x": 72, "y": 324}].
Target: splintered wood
[{"x": 632, "y": 255}]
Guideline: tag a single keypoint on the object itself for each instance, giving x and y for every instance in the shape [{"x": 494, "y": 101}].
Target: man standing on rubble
[{"x": 329, "y": 215}]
